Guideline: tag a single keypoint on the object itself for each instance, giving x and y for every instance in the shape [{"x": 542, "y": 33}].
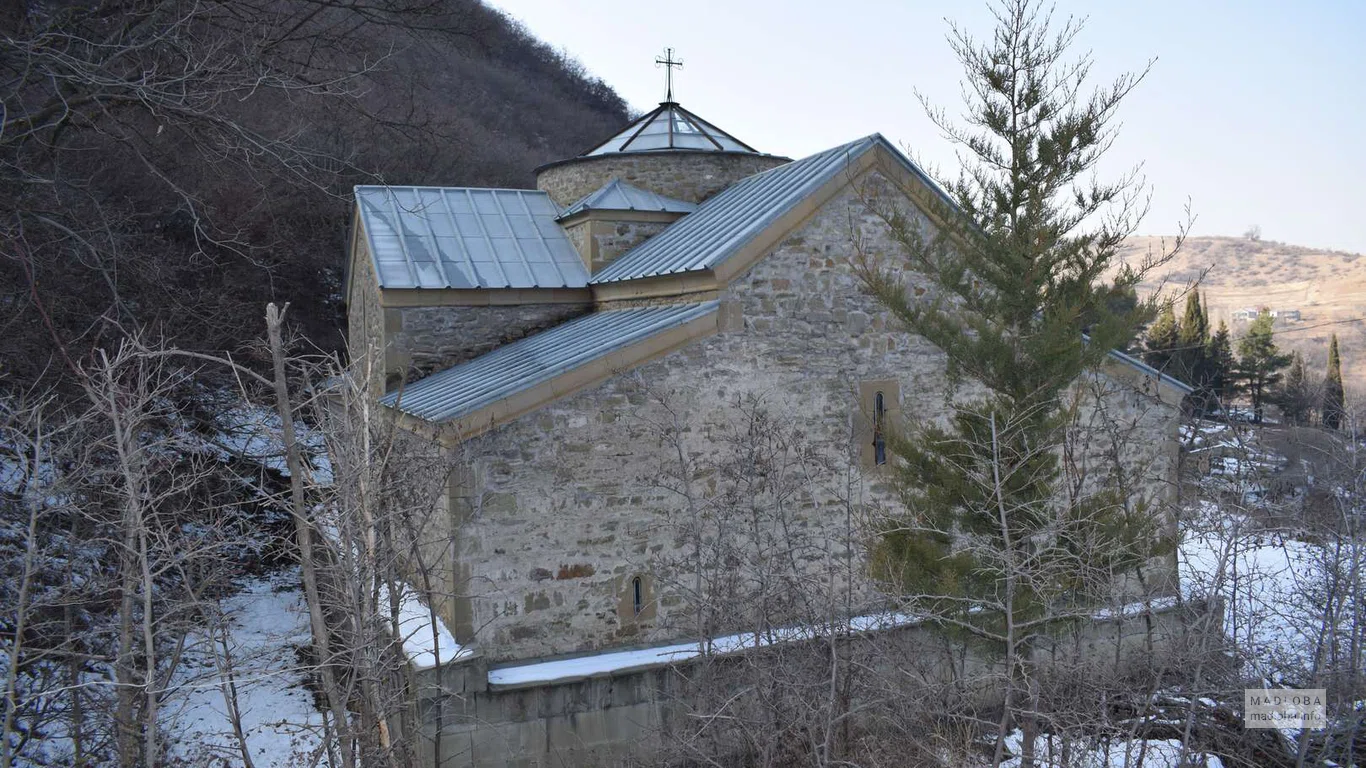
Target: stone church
[{"x": 597, "y": 348}]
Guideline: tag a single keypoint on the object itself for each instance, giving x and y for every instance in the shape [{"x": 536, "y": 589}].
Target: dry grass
[{"x": 1328, "y": 287}]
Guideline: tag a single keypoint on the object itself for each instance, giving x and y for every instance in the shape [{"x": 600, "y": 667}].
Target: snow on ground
[
  {"x": 253, "y": 432},
  {"x": 1137, "y": 753},
  {"x": 1264, "y": 580},
  {"x": 267, "y": 624},
  {"x": 425, "y": 637}
]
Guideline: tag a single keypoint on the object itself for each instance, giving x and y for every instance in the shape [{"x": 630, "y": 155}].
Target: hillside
[
  {"x": 1327, "y": 287},
  {"x": 200, "y": 164}
]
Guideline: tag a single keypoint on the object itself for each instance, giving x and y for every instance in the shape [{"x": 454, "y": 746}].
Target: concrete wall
[
  {"x": 689, "y": 176},
  {"x": 569, "y": 503},
  {"x": 634, "y": 716}
]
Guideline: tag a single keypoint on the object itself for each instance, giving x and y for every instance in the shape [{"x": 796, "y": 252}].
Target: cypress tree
[
  {"x": 1334, "y": 399},
  {"x": 1223, "y": 366},
  {"x": 1260, "y": 363},
  {"x": 1296, "y": 405},
  {"x": 1188, "y": 360},
  {"x": 1159, "y": 344}
]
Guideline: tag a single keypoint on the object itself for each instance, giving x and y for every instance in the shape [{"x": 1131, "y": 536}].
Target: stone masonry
[
  {"x": 683, "y": 175},
  {"x": 428, "y": 339},
  {"x": 565, "y": 506},
  {"x": 602, "y": 236}
]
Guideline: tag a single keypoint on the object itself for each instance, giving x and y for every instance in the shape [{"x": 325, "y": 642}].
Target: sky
[{"x": 1254, "y": 112}]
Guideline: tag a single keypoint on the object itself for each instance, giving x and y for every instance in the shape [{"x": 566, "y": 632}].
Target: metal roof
[
  {"x": 617, "y": 195},
  {"x": 521, "y": 365},
  {"x": 459, "y": 237},
  {"x": 1128, "y": 359},
  {"x": 723, "y": 224},
  {"x": 670, "y": 127}
]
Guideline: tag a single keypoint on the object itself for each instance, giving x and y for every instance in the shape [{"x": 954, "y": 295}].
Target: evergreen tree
[
  {"x": 1160, "y": 342},
  {"x": 1295, "y": 399},
  {"x": 1260, "y": 363},
  {"x": 1189, "y": 362},
  {"x": 990, "y": 543},
  {"x": 1223, "y": 366},
  {"x": 1334, "y": 399}
]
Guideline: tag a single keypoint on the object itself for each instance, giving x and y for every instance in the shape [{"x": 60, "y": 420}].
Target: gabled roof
[
  {"x": 617, "y": 195},
  {"x": 670, "y": 127},
  {"x": 723, "y": 224},
  {"x": 459, "y": 237},
  {"x": 523, "y": 364}
]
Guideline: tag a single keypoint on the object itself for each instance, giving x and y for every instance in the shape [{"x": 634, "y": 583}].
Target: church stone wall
[
  {"x": 365, "y": 317},
  {"x": 613, "y": 238},
  {"x": 600, "y": 240},
  {"x": 428, "y": 339},
  {"x": 689, "y": 176},
  {"x": 575, "y": 499}
]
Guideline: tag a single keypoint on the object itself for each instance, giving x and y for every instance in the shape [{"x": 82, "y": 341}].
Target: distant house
[
  {"x": 1286, "y": 315},
  {"x": 1245, "y": 315}
]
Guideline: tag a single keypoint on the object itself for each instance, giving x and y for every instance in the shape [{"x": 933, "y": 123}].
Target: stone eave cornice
[
  {"x": 653, "y": 152},
  {"x": 481, "y": 297},
  {"x": 621, "y": 214}
]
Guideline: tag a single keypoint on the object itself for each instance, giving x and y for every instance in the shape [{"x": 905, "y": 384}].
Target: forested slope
[{"x": 170, "y": 166}]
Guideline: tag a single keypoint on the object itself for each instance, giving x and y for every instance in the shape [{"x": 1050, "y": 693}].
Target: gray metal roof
[
  {"x": 459, "y": 237},
  {"x": 523, "y": 364},
  {"x": 723, "y": 224},
  {"x": 617, "y": 195},
  {"x": 1151, "y": 371},
  {"x": 670, "y": 127}
]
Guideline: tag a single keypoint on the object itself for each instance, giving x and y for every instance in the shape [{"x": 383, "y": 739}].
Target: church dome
[
  {"x": 669, "y": 151},
  {"x": 670, "y": 127}
]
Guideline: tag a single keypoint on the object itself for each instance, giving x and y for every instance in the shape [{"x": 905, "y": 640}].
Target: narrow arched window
[
  {"x": 637, "y": 596},
  {"x": 879, "y": 438}
]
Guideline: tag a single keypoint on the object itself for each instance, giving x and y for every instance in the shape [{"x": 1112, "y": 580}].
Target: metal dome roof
[{"x": 670, "y": 127}]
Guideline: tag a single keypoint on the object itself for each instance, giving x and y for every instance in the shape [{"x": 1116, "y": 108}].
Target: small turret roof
[
  {"x": 617, "y": 195},
  {"x": 670, "y": 127}
]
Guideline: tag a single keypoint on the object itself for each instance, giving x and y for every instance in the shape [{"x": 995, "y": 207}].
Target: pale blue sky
[{"x": 1254, "y": 110}]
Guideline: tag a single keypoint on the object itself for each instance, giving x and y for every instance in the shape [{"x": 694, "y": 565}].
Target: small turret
[{"x": 669, "y": 151}]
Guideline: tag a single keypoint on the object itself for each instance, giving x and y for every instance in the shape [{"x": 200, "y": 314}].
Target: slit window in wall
[
  {"x": 876, "y": 417},
  {"x": 635, "y": 599},
  {"x": 879, "y": 434}
]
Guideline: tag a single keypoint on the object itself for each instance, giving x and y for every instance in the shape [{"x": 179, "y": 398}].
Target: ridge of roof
[
  {"x": 516, "y": 367},
  {"x": 618, "y": 195}
]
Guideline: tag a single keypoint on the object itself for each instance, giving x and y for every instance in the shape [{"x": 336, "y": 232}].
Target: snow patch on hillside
[{"x": 268, "y": 622}]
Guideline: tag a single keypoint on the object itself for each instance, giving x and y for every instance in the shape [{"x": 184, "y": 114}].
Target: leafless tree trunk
[{"x": 303, "y": 529}]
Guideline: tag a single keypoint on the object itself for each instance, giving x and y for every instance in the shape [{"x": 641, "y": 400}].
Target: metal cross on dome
[{"x": 669, "y": 64}]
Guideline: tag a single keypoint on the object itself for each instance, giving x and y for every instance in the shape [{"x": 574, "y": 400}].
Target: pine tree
[
  {"x": 1260, "y": 363},
  {"x": 1160, "y": 342},
  {"x": 1334, "y": 400},
  {"x": 1223, "y": 366},
  {"x": 1017, "y": 281},
  {"x": 1296, "y": 403}
]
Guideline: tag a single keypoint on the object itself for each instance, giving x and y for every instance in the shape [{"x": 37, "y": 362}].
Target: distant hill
[{"x": 1328, "y": 288}]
